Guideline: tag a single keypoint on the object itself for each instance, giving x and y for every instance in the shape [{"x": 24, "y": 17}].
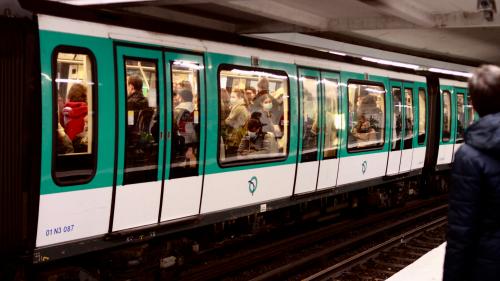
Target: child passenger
[{"x": 75, "y": 111}]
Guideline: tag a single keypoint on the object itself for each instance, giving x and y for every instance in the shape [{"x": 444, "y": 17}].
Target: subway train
[{"x": 114, "y": 132}]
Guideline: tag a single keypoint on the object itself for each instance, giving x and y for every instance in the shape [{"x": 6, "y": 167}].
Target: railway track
[
  {"x": 248, "y": 264},
  {"x": 385, "y": 259}
]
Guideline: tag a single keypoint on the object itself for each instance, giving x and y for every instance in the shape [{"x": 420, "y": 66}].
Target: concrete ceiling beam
[
  {"x": 279, "y": 12},
  {"x": 170, "y": 15}
]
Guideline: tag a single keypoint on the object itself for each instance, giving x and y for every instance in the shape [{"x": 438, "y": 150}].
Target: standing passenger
[
  {"x": 235, "y": 122},
  {"x": 473, "y": 248}
]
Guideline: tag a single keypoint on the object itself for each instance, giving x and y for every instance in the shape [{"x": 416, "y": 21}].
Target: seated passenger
[
  {"x": 363, "y": 130},
  {"x": 75, "y": 110},
  {"x": 257, "y": 142}
]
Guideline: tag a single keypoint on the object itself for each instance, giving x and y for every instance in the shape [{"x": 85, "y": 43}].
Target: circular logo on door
[
  {"x": 252, "y": 184},
  {"x": 364, "y": 166}
]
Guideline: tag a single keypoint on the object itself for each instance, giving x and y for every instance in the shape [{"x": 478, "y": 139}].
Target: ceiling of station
[{"x": 455, "y": 29}]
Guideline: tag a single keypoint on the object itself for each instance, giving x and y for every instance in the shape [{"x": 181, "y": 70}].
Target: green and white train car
[{"x": 336, "y": 127}]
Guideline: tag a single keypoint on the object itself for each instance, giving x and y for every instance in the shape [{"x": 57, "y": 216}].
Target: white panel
[
  {"x": 128, "y": 34},
  {"x": 307, "y": 174},
  {"x": 351, "y": 168},
  {"x": 181, "y": 198},
  {"x": 455, "y": 149},
  {"x": 73, "y": 215},
  {"x": 393, "y": 162},
  {"x": 137, "y": 205},
  {"x": 232, "y": 189},
  {"x": 328, "y": 173},
  {"x": 418, "y": 159},
  {"x": 406, "y": 158},
  {"x": 455, "y": 83},
  {"x": 445, "y": 154}
]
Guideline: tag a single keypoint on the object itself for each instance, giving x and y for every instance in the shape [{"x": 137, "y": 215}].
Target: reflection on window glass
[
  {"x": 254, "y": 112},
  {"x": 75, "y": 121},
  {"x": 331, "y": 117},
  {"x": 366, "y": 106},
  {"x": 421, "y": 115},
  {"x": 141, "y": 145},
  {"x": 408, "y": 119},
  {"x": 397, "y": 118},
  {"x": 446, "y": 98},
  {"x": 310, "y": 118},
  {"x": 470, "y": 111},
  {"x": 185, "y": 121},
  {"x": 460, "y": 117}
]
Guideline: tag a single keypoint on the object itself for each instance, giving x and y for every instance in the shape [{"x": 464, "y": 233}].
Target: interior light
[
  {"x": 188, "y": 64},
  {"x": 338, "y": 53},
  {"x": 451, "y": 72},
  {"x": 96, "y": 2},
  {"x": 393, "y": 63}
]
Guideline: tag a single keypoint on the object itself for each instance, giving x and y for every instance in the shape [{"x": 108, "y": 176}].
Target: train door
[
  {"x": 185, "y": 90},
  {"x": 329, "y": 134},
  {"x": 141, "y": 116},
  {"x": 408, "y": 127},
  {"x": 308, "y": 164},
  {"x": 396, "y": 116}
]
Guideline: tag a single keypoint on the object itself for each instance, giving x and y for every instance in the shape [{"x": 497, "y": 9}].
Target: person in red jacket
[{"x": 75, "y": 111}]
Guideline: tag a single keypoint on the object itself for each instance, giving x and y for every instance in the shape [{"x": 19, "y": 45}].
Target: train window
[
  {"x": 367, "y": 108},
  {"x": 253, "y": 124},
  {"x": 446, "y": 126},
  {"x": 460, "y": 117},
  {"x": 186, "y": 120},
  {"x": 470, "y": 111},
  {"x": 332, "y": 118},
  {"x": 397, "y": 118},
  {"x": 408, "y": 139},
  {"x": 422, "y": 115},
  {"x": 310, "y": 127},
  {"x": 141, "y": 143},
  {"x": 75, "y": 120}
]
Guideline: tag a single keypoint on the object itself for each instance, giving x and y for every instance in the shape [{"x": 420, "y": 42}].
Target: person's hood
[
  {"x": 485, "y": 134},
  {"x": 75, "y": 109},
  {"x": 189, "y": 106}
]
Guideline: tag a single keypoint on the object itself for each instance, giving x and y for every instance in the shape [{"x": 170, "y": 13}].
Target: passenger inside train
[{"x": 257, "y": 142}]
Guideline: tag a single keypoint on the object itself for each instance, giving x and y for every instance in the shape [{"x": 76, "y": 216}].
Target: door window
[
  {"x": 185, "y": 119},
  {"x": 446, "y": 126},
  {"x": 142, "y": 124},
  {"x": 75, "y": 120},
  {"x": 408, "y": 142},
  {"x": 310, "y": 125},
  {"x": 331, "y": 118},
  {"x": 397, "y": 118}
]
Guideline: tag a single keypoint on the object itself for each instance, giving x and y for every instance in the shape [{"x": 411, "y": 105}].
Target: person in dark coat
[{"x": 473, "y": 238}]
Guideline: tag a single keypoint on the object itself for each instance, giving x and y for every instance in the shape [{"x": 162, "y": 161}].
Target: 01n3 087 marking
[{"x": 59, "y": 229}]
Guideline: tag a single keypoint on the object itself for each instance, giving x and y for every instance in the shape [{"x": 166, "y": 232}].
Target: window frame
[
  {"x": 245, "y": 162},
  {"x": 457, "y": 139},
  {"x": 397, "y": 145},
  {"x": 55, "y": 111},
  {"x": 408, "y": 142},
  {"x": 372, "y": 147},
  {"x": 450, "y": 116},
  {"x": 425, "y": 116}
]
